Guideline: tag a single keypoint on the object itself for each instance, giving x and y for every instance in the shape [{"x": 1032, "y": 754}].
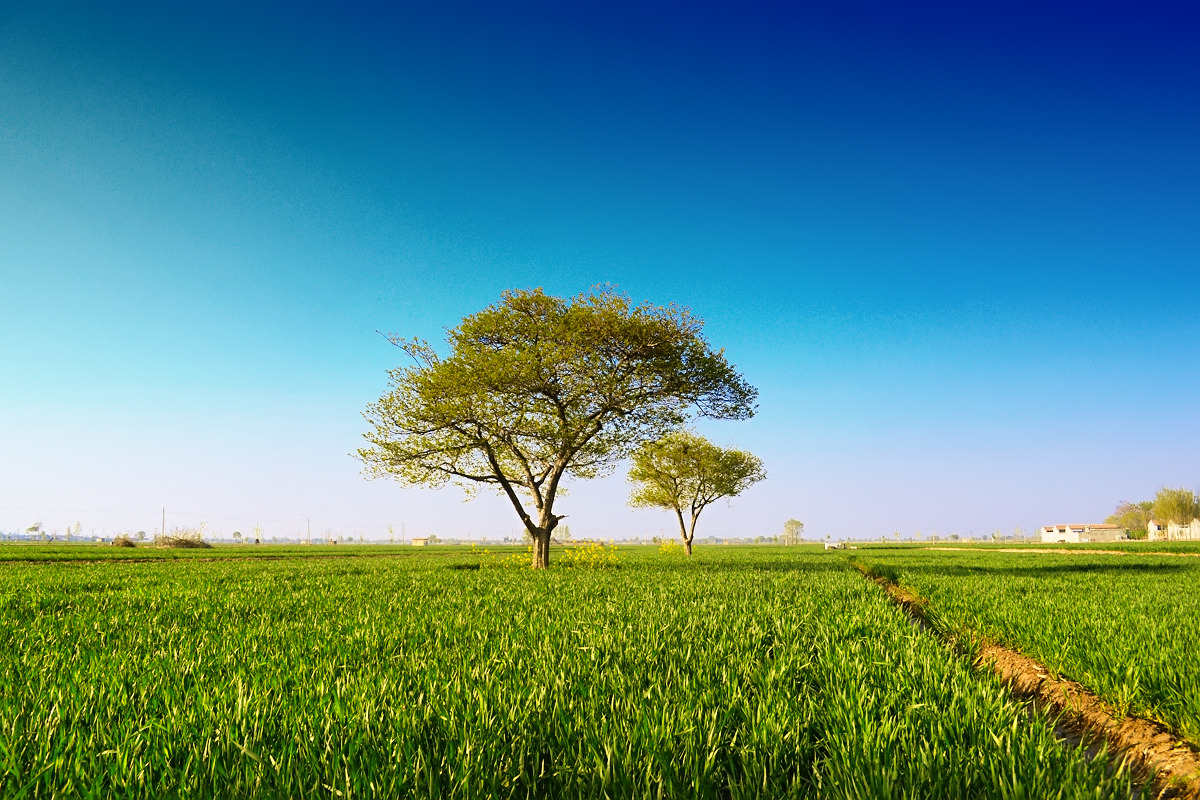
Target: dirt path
[
  {"x": 1171, "y": 765},
  {"x": 1059, "y": 551}
]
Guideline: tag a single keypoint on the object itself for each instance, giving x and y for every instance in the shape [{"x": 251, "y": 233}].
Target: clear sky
[{"x": 956, "y": 246}]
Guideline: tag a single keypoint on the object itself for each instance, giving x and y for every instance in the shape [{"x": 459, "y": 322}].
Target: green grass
[
  {"x": 1127, "y": 627},
  {"x": 1131, "y": 547},
  {"x": 90, "y": 551},
  {"x": 746, "y": 672}
]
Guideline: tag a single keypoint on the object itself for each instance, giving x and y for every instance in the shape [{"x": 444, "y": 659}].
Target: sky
[{"x": 956, "y": 247}]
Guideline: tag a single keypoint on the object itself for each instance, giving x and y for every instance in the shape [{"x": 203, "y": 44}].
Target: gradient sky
[{"x": 956, "y": 246}]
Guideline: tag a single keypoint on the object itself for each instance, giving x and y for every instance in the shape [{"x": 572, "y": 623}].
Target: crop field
[
  {"x": 88, "y": 551},
  {"x": 1126, "y": 547},
  {"x": 1127, "y": 627},
  {"x": 745, "y": 672}
]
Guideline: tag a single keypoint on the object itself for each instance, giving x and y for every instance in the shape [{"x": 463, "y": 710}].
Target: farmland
[
  {"x": 1124, "y": 626},
  {"x": 742, "y": 672}
]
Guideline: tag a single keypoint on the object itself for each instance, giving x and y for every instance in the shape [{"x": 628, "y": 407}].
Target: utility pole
[
  {"x": 309, "y": 520},
  {"x": 164, "y": 525},
  {"x": 403, "y": 534}
]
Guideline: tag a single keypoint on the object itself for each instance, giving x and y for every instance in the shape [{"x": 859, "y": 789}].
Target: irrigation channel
[{"x": 1168, "y": 766}]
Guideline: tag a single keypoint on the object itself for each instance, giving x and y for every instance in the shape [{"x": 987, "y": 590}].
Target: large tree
[
  {"x": 537, "y": 389},
  {"x": 1134, "y": 517},
  {"x": 685, "y": 473}
]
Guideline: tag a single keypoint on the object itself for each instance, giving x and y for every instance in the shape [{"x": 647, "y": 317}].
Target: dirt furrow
[{"x": 1169, "y": 765}]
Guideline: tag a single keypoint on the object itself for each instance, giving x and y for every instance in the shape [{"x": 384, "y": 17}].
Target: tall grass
[
  {"x": 1127, "y": 627},
  {"x": 734, "y": 674}
]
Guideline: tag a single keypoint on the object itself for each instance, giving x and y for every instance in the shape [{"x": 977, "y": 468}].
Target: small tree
[
  {"x": 538, "y": 389},
  {"x": 793, "y": 531},
  {"x": 1133, "y": 517},
  {"x": 685, "y": 473}
]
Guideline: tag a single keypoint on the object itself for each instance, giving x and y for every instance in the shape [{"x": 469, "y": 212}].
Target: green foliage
[
  {"x": 1133, "y": 517},
  {"x": 1169, "y": 505},
  {"x": 1175, "y": 505},
  {"x": 537, "y": 389},
  {"x": 685, "y": 473},
  {"x": 1126, "y": 626},
  {"x": 793, "y": 531},
  {"x": 740, "y": 673}
]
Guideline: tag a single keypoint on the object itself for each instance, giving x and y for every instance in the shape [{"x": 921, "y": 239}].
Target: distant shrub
[
  {"x": 183, "y": 537},
  {"x": 123, "y": 541}
]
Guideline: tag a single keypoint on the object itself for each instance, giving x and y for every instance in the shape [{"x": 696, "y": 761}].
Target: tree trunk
[
  {"x": 541, "y": 549},
  {"x": 689, "y": 534},
  {"x": 683, "y": 533}
]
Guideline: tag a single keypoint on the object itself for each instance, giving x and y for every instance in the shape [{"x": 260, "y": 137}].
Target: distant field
[
  {"x": 1124, "y": 547},
  {"x": 745, "y": 672},
  {"x": 1127, "y": 627},
  {"x": 90, "y": 551}
]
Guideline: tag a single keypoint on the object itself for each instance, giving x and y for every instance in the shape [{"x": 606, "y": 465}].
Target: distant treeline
[{"x": 1180, "y": 506}]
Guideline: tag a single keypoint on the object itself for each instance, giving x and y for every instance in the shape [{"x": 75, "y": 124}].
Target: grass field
[
  {"x": 745, "y": 672},
  {"x": 1127, "y": 627},
  {"x": 1127, "y": 547},
  {"x": 88, "y": 551}
]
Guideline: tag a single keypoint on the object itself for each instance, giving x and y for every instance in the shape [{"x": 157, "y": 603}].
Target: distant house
[
  {"x": 1086, "y": 532},
  {"x": 420, "y": 541},
  {"x": 1156, "y": 531}
]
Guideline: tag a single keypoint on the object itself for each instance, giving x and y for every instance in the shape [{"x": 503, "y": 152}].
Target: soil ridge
[{"x": 1168, "y": 764}]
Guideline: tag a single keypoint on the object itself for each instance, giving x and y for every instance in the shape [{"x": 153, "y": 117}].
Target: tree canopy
[
  {"x": 1180, "y": 506},
  {"x": 793, "y": 531},
  {"x": 685, "y": 473},
  {"x": 1175, "y": 505},
  {"x": 1133, "y": 517},
  {"x": 537, "y": 389}
]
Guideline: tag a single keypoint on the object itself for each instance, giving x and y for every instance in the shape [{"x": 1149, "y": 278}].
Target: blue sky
[{"x": 955, "y": 248}]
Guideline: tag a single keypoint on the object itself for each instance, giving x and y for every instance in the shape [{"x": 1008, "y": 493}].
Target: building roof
[{"x": 1081, "y": 525}]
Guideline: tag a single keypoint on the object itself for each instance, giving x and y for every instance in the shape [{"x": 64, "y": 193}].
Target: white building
[
  {"x": 1156, "y": 531},
  {"x": 1086, "y": 532}
]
